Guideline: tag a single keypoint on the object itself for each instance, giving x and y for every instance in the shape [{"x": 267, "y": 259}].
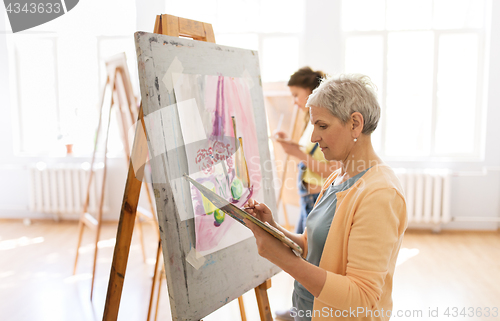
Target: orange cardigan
[{"x": 361, "y": 248}]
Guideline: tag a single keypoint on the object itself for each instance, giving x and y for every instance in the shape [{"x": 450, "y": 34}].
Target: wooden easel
[
  {"x": 118, "y": 81},
  {"x": 176, "y": 27},
  {"x": 297, "y": 127}
]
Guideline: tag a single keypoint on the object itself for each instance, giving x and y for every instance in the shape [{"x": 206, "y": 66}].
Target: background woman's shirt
[{"x": 309, "y": 176}]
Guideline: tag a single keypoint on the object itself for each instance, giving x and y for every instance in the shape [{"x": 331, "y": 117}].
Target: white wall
[
  {"x": 147, "y": 12},
  {"x": 475, "y": 188}
]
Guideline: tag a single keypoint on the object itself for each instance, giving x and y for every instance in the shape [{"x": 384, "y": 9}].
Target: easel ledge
[{"x": 176, "y": 27}]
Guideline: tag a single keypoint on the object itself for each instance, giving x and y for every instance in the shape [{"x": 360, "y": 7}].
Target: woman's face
[
  {"x": 334, "y": 138},
  {"x": 300, "y": 96}
]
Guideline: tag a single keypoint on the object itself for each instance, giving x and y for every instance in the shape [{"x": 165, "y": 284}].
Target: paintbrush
[
  {"x": 286, "y": 141},
  {"x": 235, "y": 134},
  {"x": 245, "y": 165},
  {"x": 280, "y": 122}
]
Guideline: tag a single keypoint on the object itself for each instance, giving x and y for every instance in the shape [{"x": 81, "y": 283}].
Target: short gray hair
[{"x": 345, "y": 94}]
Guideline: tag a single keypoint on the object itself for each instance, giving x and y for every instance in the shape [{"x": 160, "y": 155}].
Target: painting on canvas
[
  {"x": 190, "y": 92},
  {"x": 216, "y": 117}
]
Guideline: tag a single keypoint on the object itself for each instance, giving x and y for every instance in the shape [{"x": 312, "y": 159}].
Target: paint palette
[{"x": 239, "y": 215}]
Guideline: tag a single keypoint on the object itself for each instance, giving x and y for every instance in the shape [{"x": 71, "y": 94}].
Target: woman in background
[{"x": 313, "y": 167}]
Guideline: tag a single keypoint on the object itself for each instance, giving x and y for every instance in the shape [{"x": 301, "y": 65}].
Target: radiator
[
  {"x": 427, "y": 194},
  {"x": 61, "y": 188}
]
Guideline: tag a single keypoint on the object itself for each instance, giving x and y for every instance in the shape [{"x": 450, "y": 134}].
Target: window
[
  {"x": 56, "y": 88},
  {"x": 270, "y": 26},
  {"x": 426, "y": 58},
  {"x": 38, "y": 101},
  {"x": 57, "y": 77}
]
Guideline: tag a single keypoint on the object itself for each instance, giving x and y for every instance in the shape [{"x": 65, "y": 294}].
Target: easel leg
[
  {"x": 162, "y": 276},
  {"x": 126, "y": 224},
  {"x": 141, "y": 237},
  {"x": 81, "y": 224},
  {"x": 80, "y": 236},
  {"x": 283, "y": 176},
  {"x": 95, "y": 260},
  {"x": 242, "y": 309},
  {"x": 101, "y": 201},
  {"x": 151, "y": 299},
  {"x": 263, "y": 301},
  {"x": 285, "y": 213}
]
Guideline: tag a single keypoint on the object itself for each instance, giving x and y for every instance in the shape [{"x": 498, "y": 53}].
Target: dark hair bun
[{"x": 305, "y": 77}]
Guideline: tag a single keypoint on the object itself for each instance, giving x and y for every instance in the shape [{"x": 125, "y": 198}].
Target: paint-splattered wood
[{"x": 226, "y": 274}]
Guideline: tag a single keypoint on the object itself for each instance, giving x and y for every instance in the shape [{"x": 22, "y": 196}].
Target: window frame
[{"x": 480, "y": 105}]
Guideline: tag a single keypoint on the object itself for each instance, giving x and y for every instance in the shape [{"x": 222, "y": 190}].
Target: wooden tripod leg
[
  {"x": 242, "y": 308},
  {"x": 79, "y": 243},
  {"x": 151, "y": 298},
  {"x": 285, "y": 213},
  {"x": 263, "y": 301},
  {"x": 126, "y": 222},
  {"x": 101, "y": 201},
  {"x": 127, "y": 116},
  {"x": 81, "y": 224},
  {"x": 95, "y": 258},
  {"x": 141, "y": 237},
  {"x": 160, "y": 281},
  {"x": 123, "y": 117},
  {"x": 279, "y": 202}
]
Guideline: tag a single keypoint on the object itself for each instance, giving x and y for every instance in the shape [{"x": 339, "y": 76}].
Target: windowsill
[{"x": 439, "y": 160}]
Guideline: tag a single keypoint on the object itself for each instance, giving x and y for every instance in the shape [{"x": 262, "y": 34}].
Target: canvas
[{"x": 190, "y": 92}]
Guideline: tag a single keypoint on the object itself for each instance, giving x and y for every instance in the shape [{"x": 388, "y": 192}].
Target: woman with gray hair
[{"x": 353, "y": 234}]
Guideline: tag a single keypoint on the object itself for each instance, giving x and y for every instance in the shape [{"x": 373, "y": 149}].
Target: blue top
[{"x": 318, "y": 226}]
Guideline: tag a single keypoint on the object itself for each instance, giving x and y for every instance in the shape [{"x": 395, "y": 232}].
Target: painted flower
[
  {"x": 200, "y": 155},
  {"x": 207, "y": 166},
  {"x": 204, "y": 159},
  {"x": 219, "y": 147},
  {"x": 220, "y": 151},
  {"x": 230, "y": 162}
]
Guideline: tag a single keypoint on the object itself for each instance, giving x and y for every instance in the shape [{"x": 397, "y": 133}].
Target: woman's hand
[
  {"x": 289, "y": 147},
  {"x": 260, "y": 211},
  {"x": 268, "y": 246},
  {"x": 272, "y": 249},
  {"x": 292, "y": 148},
  {"x": 280, "y": 135}
]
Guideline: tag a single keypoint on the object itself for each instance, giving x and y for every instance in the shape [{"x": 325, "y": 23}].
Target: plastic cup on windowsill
[{"x": 69, "y": 149}]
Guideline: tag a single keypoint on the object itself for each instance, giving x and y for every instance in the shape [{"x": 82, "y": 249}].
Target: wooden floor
[{"x": 450, "y": 269}]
